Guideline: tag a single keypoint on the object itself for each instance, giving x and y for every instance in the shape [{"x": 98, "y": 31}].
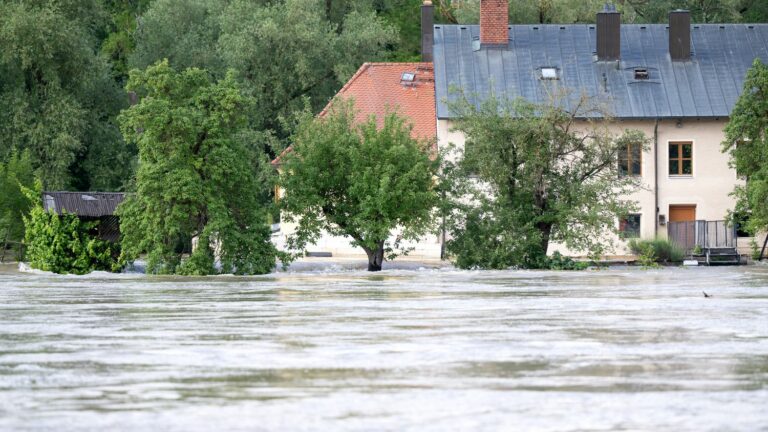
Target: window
[
  {"x": 549, "y": 73},
  {"x": 629, "y": 227},
  {"x": 408, "y": 77},
  {"x": 680, "y": 158},
  {"x": 630, "y": 160},
  {"x": 641, "y": 74}
]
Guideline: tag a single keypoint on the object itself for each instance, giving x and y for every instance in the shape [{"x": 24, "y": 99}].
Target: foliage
[
  {"x": 633, "y": 11},
  {"x": 746, "y": 139},
  {"x": 358, "y": 180},
  {"x": 199, "y": 175},
  {"x": 15, "y": 175},
  {"x": 282, "y": 51},
  {"x": 755, "y": 250},
  {"x": 65, "y": 244},
  {"x": 660, "y": 250},
  {"x": 530, "y": 175},
  {"x": 490, "y": 234},
  {"x": 183, "y": 31},
  {"x": 58, "y": 97},
  {"x": 120, "y": 41},
  {"x": 559, "y": 262},
  {"x": 646, "y": 255}
]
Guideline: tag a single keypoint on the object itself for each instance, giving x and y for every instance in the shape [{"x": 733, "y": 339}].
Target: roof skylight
[{"x": 549, "y": 73}]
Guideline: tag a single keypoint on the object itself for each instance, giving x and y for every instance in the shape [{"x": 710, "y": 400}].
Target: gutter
[{"x": 656, "y": 177}]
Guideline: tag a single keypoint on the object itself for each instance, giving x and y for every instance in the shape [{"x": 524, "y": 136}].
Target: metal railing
[{"x": 704, "y": 234}]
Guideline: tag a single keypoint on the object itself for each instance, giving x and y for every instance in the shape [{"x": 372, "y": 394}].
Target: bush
[
  {"x": 560, "y": 262},
  {"x": 15, "y": 175},
  {"x": 656, "y": 251},
  {"x": 64, "y": 244},
  {"x": 755, "y": 249},
  {"x": 482, "y": 241}
]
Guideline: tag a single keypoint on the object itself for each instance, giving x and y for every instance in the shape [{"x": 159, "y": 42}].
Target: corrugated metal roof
[
  {"x": 85, "y": 204},
  {"x": 706, "y": 86}
]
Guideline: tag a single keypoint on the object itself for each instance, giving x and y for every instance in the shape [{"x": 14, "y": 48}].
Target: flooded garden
[{"x": 421, "y": 349}]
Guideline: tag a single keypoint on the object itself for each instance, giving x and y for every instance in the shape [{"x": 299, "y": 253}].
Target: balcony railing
[{"x": 701, "y": 233}]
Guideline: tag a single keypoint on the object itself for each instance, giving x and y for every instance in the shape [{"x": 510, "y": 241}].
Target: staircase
[{"x": 722, "y": 256}]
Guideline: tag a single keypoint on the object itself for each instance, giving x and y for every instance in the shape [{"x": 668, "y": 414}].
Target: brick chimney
[
  {"x": 680, "y": 35},
  {"x": 608, "y": 34},
  {"x": 427, "y": 35},
  {"x": 494, "y": 22}
]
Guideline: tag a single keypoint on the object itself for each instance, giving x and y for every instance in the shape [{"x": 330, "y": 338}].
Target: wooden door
[{"x": 682, "y": 213}]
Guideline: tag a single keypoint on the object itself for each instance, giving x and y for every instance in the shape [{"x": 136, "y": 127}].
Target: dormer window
[
  {"x": 549, "y": 73},
  {"x": 642, "y": 74}
]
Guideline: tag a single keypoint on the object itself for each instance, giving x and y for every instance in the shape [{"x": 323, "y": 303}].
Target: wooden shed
[{"x": 89, "y": 206}]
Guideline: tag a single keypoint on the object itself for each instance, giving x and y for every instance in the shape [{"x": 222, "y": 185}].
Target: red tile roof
[{"x": 378, "y": 88}]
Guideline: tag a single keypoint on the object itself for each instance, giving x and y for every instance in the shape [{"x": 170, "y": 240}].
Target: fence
[{"x": 704, "y": 234}]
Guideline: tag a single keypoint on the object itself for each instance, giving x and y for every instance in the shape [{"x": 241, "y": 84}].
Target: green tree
[
  {"x": 580, "y": 11},
  {"x": 58, "y": 97},
  {"x": 754, "y": 11},
  {"x": 289, "y": 51},
  {"x": 15, "y": 175},
  {"x": 185, "y": 32},
  {"x": 120, "y": 41},
  {"x": 360, "y": 181},
  {"x": 531, "y": 175},
  {"x": 746, "y": 139},
  {"x": 282, "y": 51},
  {"x": 199, "y": 176}
]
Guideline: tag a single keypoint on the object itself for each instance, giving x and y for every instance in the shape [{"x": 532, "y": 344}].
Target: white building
[{"x": 677, "y": 83}]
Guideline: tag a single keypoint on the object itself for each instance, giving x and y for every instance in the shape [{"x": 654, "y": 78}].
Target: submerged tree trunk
[
  {"x": 545, "y": 228},
  {"x": 375, "y": 257}
]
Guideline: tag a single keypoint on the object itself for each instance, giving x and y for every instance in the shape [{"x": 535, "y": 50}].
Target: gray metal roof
[
  {"x": 84, "y": 204},
  {"x": 706, "y": 86}
]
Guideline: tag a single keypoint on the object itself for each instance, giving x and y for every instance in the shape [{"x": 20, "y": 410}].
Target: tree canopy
[
  {"x": 374, "y": 185},
  {"x": 16, "y": 174},
  {"x": 746, "y": 139},
  {"x": 58, "y": 96},
  {"x": 533, "y": 174},
  {"x": 633, "y": 11},
  {"x": 201, "y": 175}
]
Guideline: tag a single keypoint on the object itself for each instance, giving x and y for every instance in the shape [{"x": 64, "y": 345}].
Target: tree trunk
[
  {"x": 375, "y": 257},
  {"x": 545, "y": 228}
]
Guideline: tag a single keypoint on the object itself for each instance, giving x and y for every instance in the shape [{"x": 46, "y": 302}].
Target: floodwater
[{"x": 404, "y": 350}]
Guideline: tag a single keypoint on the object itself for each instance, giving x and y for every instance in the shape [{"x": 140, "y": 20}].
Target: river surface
[{"x": 405, "y": 350}]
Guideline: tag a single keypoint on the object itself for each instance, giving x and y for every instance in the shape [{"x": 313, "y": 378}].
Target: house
[
  {"x": 89, "y": 207},
  {"x": 676, "y": 82},
  {"x": 379, "y": 88}
]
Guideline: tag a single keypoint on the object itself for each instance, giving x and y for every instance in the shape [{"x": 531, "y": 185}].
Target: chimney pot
[
  {"x": 608, "y": 34},
  {"x": 680, "y": 35},
  {"x": 494, "y": 22}
]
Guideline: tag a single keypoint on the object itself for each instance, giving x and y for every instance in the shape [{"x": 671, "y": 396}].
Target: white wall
[{"x": 427, "y": 248}]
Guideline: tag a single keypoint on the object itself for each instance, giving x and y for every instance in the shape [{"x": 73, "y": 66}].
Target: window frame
[
  {"x": 629, "y": 158},
  {"x": 679, "y": 159},
  {"x": 623, "y": 222}
]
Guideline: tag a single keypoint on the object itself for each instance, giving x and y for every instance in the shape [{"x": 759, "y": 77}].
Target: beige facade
[{"x": 708, "y": 188}]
